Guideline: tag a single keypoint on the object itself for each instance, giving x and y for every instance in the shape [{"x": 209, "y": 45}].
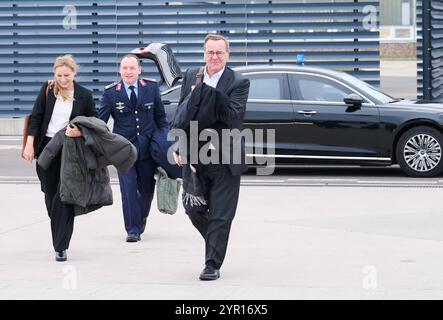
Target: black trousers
[
  {"x": 214, "y": 220},
  {"x": 61, "y": 215}
]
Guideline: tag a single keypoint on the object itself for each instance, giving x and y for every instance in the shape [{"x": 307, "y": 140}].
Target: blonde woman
[{"x": 58, "y": 102}]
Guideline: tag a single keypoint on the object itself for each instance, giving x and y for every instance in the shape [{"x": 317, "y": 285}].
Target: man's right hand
[{"x": 178, "y": 159}]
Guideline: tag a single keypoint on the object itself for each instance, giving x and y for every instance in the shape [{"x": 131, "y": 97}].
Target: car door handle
[
  {"x": 307, "y": 113},
  {"x": 167, "y": 102}
]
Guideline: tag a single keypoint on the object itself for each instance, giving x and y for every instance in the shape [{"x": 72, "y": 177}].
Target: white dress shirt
[{"x": 213, "y": 81}]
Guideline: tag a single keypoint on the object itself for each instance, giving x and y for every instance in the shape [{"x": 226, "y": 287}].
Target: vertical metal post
[
  {"x": 427, "y": 52},
  {"x": 356, "y": 39}
]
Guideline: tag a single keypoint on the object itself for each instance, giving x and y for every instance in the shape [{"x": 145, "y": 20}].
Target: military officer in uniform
[{"x": 138, "y": 112}]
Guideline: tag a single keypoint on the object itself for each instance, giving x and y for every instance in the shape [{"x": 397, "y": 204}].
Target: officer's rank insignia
[
  {"x": 109, "y": 86},
  {"x": 120, "y": 105}
]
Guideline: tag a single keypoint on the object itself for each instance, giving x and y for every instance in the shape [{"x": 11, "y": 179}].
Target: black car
[{"x": 322, "y": 116}]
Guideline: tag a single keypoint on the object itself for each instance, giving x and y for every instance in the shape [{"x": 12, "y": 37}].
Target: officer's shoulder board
[
  {"x": 112, "y": 85},
  {"x": 144, "y": 81}
]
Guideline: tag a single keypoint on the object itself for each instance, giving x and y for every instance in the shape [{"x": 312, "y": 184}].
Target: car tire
[{"x": 419, "y": 152}]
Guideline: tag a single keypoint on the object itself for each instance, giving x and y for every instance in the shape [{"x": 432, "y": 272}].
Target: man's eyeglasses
[{"x": 217, "y": 53}]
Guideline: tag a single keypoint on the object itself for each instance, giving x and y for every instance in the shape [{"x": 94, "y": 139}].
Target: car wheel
[{"x": 419, "y": 152}]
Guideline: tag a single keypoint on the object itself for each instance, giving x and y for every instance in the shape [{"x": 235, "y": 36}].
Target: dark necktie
[{"x": 133, "y": 97}]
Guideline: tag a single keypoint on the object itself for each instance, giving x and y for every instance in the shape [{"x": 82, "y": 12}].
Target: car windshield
[{"x": 374, "y": 92}]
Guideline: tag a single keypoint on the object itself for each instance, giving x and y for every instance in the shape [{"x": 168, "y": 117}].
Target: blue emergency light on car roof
[{"x": 300, "y": 59}]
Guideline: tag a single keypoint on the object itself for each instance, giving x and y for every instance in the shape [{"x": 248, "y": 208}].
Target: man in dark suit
[
  {"x": 220, "y": 182},
  {"x": 139, "y": 115}
]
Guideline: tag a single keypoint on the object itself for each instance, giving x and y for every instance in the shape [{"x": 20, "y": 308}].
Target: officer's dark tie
[{"x": 133, "y": 97}]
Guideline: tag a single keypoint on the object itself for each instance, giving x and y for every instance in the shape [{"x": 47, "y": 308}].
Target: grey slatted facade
[
  {"x": 337, "y": 34},
  {"x": 430, "y": 50}
]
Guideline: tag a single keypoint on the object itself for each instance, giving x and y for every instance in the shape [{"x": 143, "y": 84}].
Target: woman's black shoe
[{"x": 61, "y": 256}]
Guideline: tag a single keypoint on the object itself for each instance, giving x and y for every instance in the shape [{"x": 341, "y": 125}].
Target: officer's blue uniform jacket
[{"x": 139, "y": 124}]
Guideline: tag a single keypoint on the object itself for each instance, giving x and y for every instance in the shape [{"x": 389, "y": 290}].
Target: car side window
[
  {"x": 267, "y": 86},
  {"x": 313, "y": 88}
]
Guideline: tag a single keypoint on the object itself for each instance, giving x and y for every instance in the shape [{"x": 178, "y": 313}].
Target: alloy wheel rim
[{"x": 422, "y": 153}]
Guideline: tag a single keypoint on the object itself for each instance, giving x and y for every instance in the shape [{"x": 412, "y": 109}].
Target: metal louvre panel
[
  {"x": 430, "y": 50},
  {"x": 335, "y": 35}
]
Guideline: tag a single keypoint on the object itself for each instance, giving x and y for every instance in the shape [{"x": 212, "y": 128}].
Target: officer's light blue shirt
[{"x": 128, "y": 91}]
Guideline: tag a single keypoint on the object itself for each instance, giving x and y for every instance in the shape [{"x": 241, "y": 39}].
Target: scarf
[{"x": 193, "y": 191}]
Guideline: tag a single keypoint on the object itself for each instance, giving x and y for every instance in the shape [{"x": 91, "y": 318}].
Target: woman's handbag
[{"x": 27, "y": 120}]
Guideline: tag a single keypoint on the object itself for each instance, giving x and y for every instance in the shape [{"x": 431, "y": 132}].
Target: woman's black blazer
[{"x": 83, "y": 105}]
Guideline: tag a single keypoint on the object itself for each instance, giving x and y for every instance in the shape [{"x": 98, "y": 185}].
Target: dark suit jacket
[
  {"x": 234, "y": 90},
  {"x": 83, "y": 105}
]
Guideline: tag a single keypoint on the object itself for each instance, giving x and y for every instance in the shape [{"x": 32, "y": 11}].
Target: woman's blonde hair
[{"x": 66, "y": 60}]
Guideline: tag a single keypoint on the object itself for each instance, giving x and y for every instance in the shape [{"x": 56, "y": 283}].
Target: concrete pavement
[{"x": 286, "y": 243}]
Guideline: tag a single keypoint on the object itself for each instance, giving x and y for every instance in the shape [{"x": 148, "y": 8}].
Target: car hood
[{"x": 418, "y": 105}]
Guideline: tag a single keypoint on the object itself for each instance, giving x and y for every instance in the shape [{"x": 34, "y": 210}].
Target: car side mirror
[{"x": 353, "y": 100}]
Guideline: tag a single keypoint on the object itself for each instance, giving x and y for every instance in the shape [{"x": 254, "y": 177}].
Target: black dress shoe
[
  {"x": 61, "y": 256},
  {"x": 209, "y": 273},
  {"x": 133, "y": 237}
]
